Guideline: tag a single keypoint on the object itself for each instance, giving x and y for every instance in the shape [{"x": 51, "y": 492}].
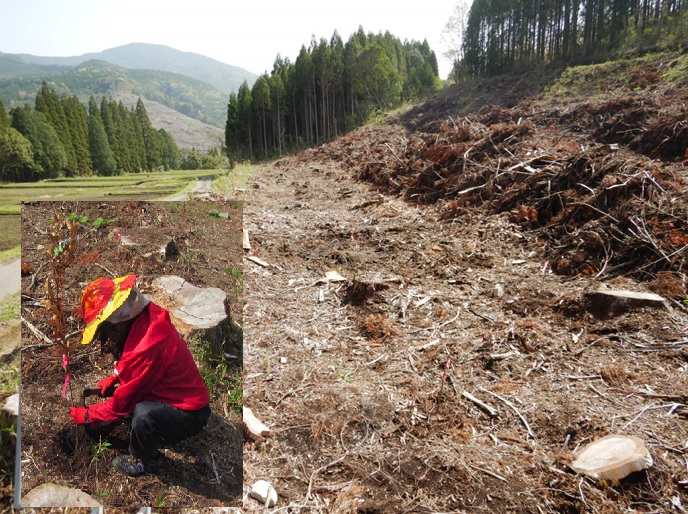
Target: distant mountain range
[{"x": 179, "y": 89}]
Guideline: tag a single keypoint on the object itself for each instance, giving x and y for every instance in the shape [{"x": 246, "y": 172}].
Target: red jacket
[{"x": 156, "y": 366}]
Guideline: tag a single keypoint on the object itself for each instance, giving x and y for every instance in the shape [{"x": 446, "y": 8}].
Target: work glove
[
  {"x": 107, "y": 383},
  {"x": 79, "y": 415}
]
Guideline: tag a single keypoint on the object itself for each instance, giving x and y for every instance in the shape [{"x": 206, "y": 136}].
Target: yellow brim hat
[{"x": 101, "y": 298}]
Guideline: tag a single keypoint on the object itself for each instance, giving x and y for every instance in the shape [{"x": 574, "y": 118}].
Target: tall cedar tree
[
  {"x": 101, "y": 154},
  {"x": 4, "y": 117},
  {"x": 50, "y": 105},
  {"x": 150, "y": 137},
  {"x": 169, "y": 152},
  {"x": 77, "y": 120},
  {"x": 331, "y": 88},
  {"x": 48, "y": 153},
  {"x": 506, "y": 37}
]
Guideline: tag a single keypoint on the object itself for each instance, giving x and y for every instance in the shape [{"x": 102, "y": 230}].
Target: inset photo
[{"x": 131, "y": 390}]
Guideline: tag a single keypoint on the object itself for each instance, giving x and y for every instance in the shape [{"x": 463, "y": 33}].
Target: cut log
[
  {"x": 608, "y": 303},
  {"x": 612, "y": 458},
  {"x": 200, "y": 312},
  {"x": 254, "y": 427}
]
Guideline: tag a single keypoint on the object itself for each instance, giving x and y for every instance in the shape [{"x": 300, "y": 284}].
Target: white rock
[
  {"x": 264, "y": 493},
  {"x": 498, "y": 291},
  {"x": 53, "y": 495},
  {"x": 612, "y": 457},
  {"x": 12, "y": 404},
  {"x": 195, "y": 306}
]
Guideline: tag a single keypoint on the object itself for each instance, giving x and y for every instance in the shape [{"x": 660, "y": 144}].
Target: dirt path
[
  {"x": 202, "y": 186},
  {"x": 361, "y": 381}
]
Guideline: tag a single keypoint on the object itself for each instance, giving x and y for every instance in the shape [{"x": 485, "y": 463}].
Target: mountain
[
  {"x": 192, "y": 111},
  {"x": 184, "y": 93},
  {"x": 135, "y": 56}
]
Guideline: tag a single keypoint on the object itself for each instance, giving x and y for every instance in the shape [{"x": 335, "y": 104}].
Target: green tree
[
  {"x": 245, "y": 117},
  {"x": 260, "y": 95},
  {"x": 77, "y": 121},
  {"x": 4, "y": 117},
  {"x": 104, "y": 162},
  {"x": 277, "y": 99},
  {"x": 375, "y": 79},
  {"x": 232, "y": 129},
  {"x": 49, "y": 156},
  {"x": 150, "y": 137},
  {"x": 169, "y": 152},
  {"x": 50, "y": 105},
  {"x": 16, "y": 156}
]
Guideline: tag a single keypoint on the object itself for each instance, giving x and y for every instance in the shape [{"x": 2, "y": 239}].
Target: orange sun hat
[{"x": 100, "y": 299}]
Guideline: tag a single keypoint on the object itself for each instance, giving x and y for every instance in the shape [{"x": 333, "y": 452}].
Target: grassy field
[
  {"x": 10, "y": 236},
  {"x": 140, "y": 186}
]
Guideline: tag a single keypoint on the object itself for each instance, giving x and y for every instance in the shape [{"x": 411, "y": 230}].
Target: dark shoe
[{"x": 133, "y": 467}]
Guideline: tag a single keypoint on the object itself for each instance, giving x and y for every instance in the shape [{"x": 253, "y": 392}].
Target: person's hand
[
  {"x": 107, "y": 383},
  {"x": 79, "y": 415}
]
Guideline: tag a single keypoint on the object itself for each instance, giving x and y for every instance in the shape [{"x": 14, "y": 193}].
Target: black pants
[{"x": 157, "y": 424}]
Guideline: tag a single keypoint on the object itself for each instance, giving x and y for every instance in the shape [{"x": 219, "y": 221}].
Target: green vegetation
[
  {"x": 595, "y": 81},
  {"x": 60, "y": 138},
  {"x": 191, "y": 97},
  {"x": 139, "y": 186},
  {"x": 223, "y": 382},
  {"x": 12, "y": 253},
  {"x": 10, "y": 235},
  {"x": 238, "y": 178},
  {"x": 331, "y": 88},
  {"x": 7, "y": 443},
  {"x": 512, "y": 37},
  {"x": 9, "y": 307},
  {"x": 100, "y": 448},
  {"x": 9, "y": 384}
]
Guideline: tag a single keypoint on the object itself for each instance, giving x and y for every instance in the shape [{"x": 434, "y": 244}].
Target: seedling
[
  {"x": 100, "y": 448},
  {"x": 346, "y": 376},
  {"x": 102, "y": 222},
  {"x": 77, "y": 218},
  {"x": 63, "y": 238}
]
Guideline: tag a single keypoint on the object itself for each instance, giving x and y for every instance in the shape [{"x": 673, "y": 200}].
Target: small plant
[
  {"x": 159, "y": 501},
  {"x": 233, "y": 272},
  {"x": 77, "y": 218},
  {"x": 345, "y": 376},
  {"x": 237, "y": 275},
  {"x": 100, "y": 448},
  {"x": 235, "y": 394},
  {"x": 102, "y": 222},
  {"x": 103, "y": 493}
]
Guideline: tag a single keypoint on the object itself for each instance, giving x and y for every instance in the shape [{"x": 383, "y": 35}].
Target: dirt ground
[
  {"x": 133, "y": 239},
  {"x": 472, "y": 233}
]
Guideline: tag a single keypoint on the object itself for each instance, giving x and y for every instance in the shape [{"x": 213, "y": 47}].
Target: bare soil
[
  {"x": 471, "y": 232},
  {"x": 132, "y": 241}
]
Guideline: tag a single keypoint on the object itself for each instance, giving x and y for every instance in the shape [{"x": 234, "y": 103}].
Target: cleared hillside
[{"x": 493, "y": 244}]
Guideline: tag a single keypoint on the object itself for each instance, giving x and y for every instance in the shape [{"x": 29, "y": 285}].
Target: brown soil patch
[{"x": 53, "y": 449}]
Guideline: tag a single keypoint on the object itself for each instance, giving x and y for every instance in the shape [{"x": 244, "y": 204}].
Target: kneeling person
[{"x": 159, "y": 383}]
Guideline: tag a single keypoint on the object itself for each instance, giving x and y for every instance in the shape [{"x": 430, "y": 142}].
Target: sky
[{"x": 248, "y": 34}]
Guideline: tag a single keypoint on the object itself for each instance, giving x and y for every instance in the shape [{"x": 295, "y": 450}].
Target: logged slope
[{"x": 466, "y": 356}]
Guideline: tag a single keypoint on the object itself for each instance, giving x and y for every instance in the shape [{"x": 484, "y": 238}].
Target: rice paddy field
[{"x": 138, "y": 186}]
